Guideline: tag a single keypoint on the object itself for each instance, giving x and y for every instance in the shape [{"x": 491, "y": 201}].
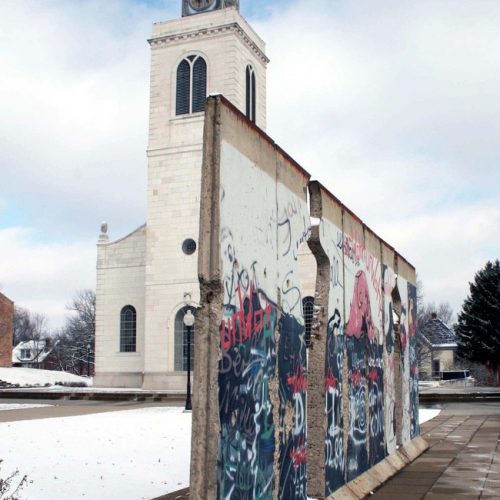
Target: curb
[
  {"x": 448, "y": 397},
  {"x": 92, "y": 396},
  {"x": 376, "y": 476}
]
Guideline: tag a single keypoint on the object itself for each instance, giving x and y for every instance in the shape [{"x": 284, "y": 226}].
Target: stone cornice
[{"x": 208, "y": 32}]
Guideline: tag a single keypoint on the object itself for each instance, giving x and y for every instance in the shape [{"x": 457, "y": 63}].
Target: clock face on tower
[
  {"x": 200, "y": 5},
  {"x": 190, "y": 7}
]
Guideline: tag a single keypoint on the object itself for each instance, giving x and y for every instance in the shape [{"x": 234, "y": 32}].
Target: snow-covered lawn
[
  {"x": 129, "y": 455},
  {"x": 33, "y": 376}
]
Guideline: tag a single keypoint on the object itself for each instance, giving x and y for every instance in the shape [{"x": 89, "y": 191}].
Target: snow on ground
[
  {"x": 16, "y": 406},
  {"x": 33, "y": 376},
  {"x": 425, "y": 414},
  {"x": 130, "y": 455}
]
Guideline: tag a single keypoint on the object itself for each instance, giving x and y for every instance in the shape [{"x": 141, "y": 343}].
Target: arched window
[
  {"x": 250, "y": 93},
  {"x": 181, "y": 340},
  {"x": 128, "y": 329},
  {"x": 308, "y": 311},
  {"x": 191, "y": 89}
]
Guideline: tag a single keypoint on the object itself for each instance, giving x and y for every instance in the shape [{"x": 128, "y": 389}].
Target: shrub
[{"x": 11, "y": 485}]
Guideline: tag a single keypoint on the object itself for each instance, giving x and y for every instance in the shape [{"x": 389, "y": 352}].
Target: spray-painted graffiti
[
  {"x": 246, "y": 447},
  {"x": 292, "y": 389},
  {"x": 412, "y": 330},
  {"x": 262, "y": 372},
  {"x": 358, "y": 255},
  {"x": 334, "y": 439},
  {"x": 390, "y": 399},
  {"x": 405, "y": 360},
  {"x": 293, "y": 230},
  {"x": 290, "y": 240},
  {"x": 376, "y": 401},
  {"x": 359, "y": 329}
]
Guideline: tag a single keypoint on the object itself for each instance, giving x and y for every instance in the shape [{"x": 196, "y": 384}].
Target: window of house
[
  {"x": 308, "y": 311},
  {"x": 191, "y": 91},
  {"x": 436, "y": 367},
  {"x": 250, "y": 93},
  {"x": 128, "y": 329},
  {"x": 181, "y": 340},
  {"x": 25, "y": 354}
]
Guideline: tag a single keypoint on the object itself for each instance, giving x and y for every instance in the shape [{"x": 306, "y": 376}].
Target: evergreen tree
[{"x": 478, "y": 328}]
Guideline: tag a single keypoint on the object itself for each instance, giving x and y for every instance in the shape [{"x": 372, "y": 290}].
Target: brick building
[{"x": 6, "y": 330}]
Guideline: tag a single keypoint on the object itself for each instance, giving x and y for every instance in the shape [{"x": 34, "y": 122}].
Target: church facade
[{"x": 147, "y": 280}]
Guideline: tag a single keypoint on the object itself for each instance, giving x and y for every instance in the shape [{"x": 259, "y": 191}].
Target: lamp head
[{"x": 188, "y": 319}]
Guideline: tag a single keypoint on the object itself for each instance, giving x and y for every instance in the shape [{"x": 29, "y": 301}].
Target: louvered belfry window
[
  {"x": 191, "y": 90},
  {"x": 250, "y": 93}
]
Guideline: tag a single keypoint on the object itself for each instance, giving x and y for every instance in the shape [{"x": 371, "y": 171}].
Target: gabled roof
[
  {"x": 37, "y": 349},
  {"x": 437, "y": 335}
]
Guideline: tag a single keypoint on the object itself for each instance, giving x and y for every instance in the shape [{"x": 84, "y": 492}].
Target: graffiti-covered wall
[
  {"x": 370, "y": 380},
  {"x": 276, "y": 416}
]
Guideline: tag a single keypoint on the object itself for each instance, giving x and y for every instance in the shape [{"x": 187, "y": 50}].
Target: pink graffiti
[
  {"x": 297, "y": 382},
  {"x": 373, "y": 375},
  {"x": 403, "y": 336},
  {"x": 298, "y": 455},
  {"x": 360, "y": 316},
  {"x": 357, "y": 253},
  {"x": 238, "y": 329},
  {"x": 356, "y": 377},
  {"x": 330, "y": 381}
]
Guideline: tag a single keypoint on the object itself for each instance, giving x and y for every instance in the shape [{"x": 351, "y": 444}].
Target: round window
[{"x": 189, "y": 246}]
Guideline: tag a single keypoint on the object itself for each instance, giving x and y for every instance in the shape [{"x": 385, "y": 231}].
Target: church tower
[{"x": 153, "y": 271}]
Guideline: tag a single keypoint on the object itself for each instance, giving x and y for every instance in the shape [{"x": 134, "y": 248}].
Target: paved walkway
[
  {"x": 463, "y": 460},
  {"x": 60, "y": 408}
]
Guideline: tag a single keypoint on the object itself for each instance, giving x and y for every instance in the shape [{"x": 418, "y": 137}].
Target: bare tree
[
  {"x": 74, "y": 348},
  {"x": 443, "y": 311}
]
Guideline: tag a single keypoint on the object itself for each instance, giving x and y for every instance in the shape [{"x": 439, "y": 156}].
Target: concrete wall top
[
  {"x": 228, "y": 124},
  {"x": 330, "y": 208},
  {"x": 406, "y": 270}
]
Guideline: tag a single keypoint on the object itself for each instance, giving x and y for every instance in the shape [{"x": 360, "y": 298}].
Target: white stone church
[{"x": 148, "y": 279}]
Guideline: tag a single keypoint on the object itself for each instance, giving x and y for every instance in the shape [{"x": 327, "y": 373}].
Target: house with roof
[
  {"x": 437, "y": 346},
  {"x": 34, "y": 354}
]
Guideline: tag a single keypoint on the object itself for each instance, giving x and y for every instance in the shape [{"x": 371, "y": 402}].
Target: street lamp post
[
  {"x": 189, "y": 322},
  {"x": 88, "y": 360}
]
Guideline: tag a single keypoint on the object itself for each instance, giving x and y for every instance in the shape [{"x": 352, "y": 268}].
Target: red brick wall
[{"x": 6, "y": 326}]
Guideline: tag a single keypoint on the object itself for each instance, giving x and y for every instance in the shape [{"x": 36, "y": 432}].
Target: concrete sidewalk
[
  {"x": 463, "y": 460},
  {"x": 61, "y": 408}
]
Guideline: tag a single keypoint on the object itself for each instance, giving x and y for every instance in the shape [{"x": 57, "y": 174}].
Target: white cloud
[
  {"x": 394, "y": 105},
  {"x": 44, "y": 276}
]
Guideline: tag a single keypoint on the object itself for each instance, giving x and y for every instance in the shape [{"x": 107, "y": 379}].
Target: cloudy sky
[{"x": 395, "y": 105}]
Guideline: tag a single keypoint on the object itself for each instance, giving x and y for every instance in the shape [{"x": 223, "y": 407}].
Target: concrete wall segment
[{"x": 249, "y": 265}]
